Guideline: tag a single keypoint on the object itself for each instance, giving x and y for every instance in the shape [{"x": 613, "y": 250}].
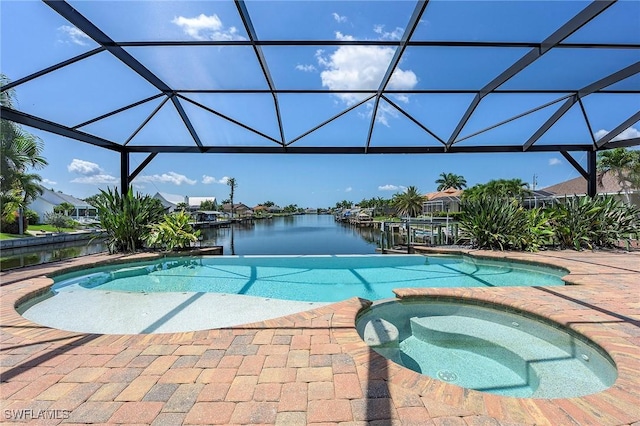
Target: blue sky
[{"x": 34, "y": 37}]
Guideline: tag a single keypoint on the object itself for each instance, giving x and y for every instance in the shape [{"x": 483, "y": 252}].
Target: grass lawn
[
  {"x": 45, "y": 228},
  {"x": 49, "y": 228},
  {"x": 5, "y": 236}
]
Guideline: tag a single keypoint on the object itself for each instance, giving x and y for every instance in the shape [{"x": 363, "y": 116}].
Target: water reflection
[
  {"x": 28, "y": 256},
  {"x": 293, "y": 235}
]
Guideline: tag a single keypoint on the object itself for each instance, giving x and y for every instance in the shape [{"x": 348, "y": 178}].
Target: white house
[
  {"x": 170, "y": 201},
  {"x": 195, "y": 202},
  {"x": 49, "y": 199}
]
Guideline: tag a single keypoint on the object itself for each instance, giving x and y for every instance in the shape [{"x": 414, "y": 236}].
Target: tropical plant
[
  {"x": 232, "y": 185},
  {"x": 58, "y": 220},
  {"x": 291, "y": 208},
  {"x": 344, "y": 204},
  {"x": 500, "y": 188},
  {"x": 31, "y": 217},
  {"x": 492, "y": 223},
  {"x": 450, "y": 180},
  {"x": 91, "y": 200},
  {"x": 623, "y": 164},
  {"x": 182, "y": 206},
  {"x": 64, "y": 208},
  {"x": 125, "y": 218},
  {"x": 408, "y": 203},
  {"x": 584, "y": 222},
  {"x": 19, "y": 151},
  {"x": 174, "y": 231},
  {"x": 208, "y": 205}
]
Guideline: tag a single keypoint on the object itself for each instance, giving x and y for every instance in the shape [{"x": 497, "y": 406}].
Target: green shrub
[
  {"x": 58, "y": 221},
  {"x": 492, "y": 223},
  {"x": 32, "y": 217},
  {"x": 125, "y": 218},
  {"x": 578, "y": 223},
  {"x": 174, "y": 231},
  {"x": 584, "y": 222}
]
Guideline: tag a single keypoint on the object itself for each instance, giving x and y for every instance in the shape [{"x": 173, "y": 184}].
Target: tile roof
[{"x": 578, "y": 186}]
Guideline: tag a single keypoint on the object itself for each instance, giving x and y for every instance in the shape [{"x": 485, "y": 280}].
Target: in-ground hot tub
[{"x": 487, "y": 348}]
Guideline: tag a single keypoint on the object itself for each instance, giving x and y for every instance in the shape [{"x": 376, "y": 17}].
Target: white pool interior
[{"x": 487, "y": 349}]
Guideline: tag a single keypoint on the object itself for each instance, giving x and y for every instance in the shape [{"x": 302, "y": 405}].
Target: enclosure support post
[
  {"x": 592, "y": 189},
  {"x": 124, "y": 172}
]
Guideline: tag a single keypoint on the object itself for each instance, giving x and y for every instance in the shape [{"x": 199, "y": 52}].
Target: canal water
[
  {"x": 291, "y": 235},
  {"x": 287, "y": 235}
]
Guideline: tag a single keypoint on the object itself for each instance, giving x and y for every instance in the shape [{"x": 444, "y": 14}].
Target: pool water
[
  {"x": 309, "y": 278},
  {"x": 487, "y": 349}
]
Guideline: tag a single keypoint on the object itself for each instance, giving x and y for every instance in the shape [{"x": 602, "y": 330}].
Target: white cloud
[
  {"x": 48, "y": 182},
  {"x": 305, "y": 68},
  {"x": 210, "y": 179},
  {"x": 390, "y": 187},
  {"x": 91, "y": 173},
  {"x": 554, "y": 161},
  {"x": 205, "y": 27},
  {"x": 396, "y": 34},
  {"x": 73, "y": 35},
  {"x": 339, "y": 18},
  {"x": 362, "y": 68},
  {"x": 82, "y": 167},
  {"x": 629, "y": 133},
  {"x": 170, "y": 177},
  {"x": 348, "y": 189},
  {"x": 97, "y": 179}
]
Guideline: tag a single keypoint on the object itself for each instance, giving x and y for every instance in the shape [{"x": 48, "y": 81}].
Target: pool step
[
  {"x": 531, "y": 357},
  {"x": 382, "y": 336}
]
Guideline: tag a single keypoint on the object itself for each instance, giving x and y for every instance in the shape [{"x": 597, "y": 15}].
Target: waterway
[
  {"x": 291, "y": 235},
  {"x": 286, "y": 235}
]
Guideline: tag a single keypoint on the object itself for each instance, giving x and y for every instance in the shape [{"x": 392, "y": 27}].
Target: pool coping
[{"x": 603, "y": 304}]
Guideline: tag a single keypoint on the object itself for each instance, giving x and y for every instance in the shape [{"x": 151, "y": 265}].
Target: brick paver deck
[{"x": 308, "y": 368}]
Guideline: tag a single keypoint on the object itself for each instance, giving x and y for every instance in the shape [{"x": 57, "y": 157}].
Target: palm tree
[
  {"x": 451, "y": 180},
  {"x": 408, "y": 203},
  {"x": 621, "y": 163},
  {"x": 232, "y": 183},
  {"x": 500, "y": 188},
  {"x": 19, "y": 151}
]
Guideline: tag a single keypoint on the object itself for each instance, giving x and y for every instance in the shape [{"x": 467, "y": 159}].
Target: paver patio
[{"x": 307, "y": 368}]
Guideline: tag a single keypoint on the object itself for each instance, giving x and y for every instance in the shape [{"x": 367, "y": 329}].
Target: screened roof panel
[
  {"x": 561, "y": 69},
  {"x": 332, "y": 133},
  {"x": 571, "y": 128},
  {"x": 440, "y": 113},
  {"x": 500, "y": 107},
  {"x": 216, "y": 131},
  {"x": 120, "y": 126},
  {"x": 165, "y": 128},
  {"x": 462, "y": 68},
  {"x": 618, "y": 24},
  {"x": 629, "y": 84},
  {"x": 202, "y": 67},
  {"x": 93, "y": 86},
  {"x": 607, "y": 111},
  {"x": 58, "y": 42},
  {"x": 251, "y": 109},
  {"x": 165, "y": 20},
  {"x": 512, "y": 21},
  {"x": 386, "y": 134},
  {"x": 322, "y": 67},
  {"x": 515, "y": 132},
  {"x": 330, "y": 20},
  {"x": 269, "y": 74}
]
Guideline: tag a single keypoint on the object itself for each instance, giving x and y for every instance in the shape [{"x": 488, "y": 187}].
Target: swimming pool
[
  {"x": 486, "y": 348},
  {"x": 308, "y": 278}
]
